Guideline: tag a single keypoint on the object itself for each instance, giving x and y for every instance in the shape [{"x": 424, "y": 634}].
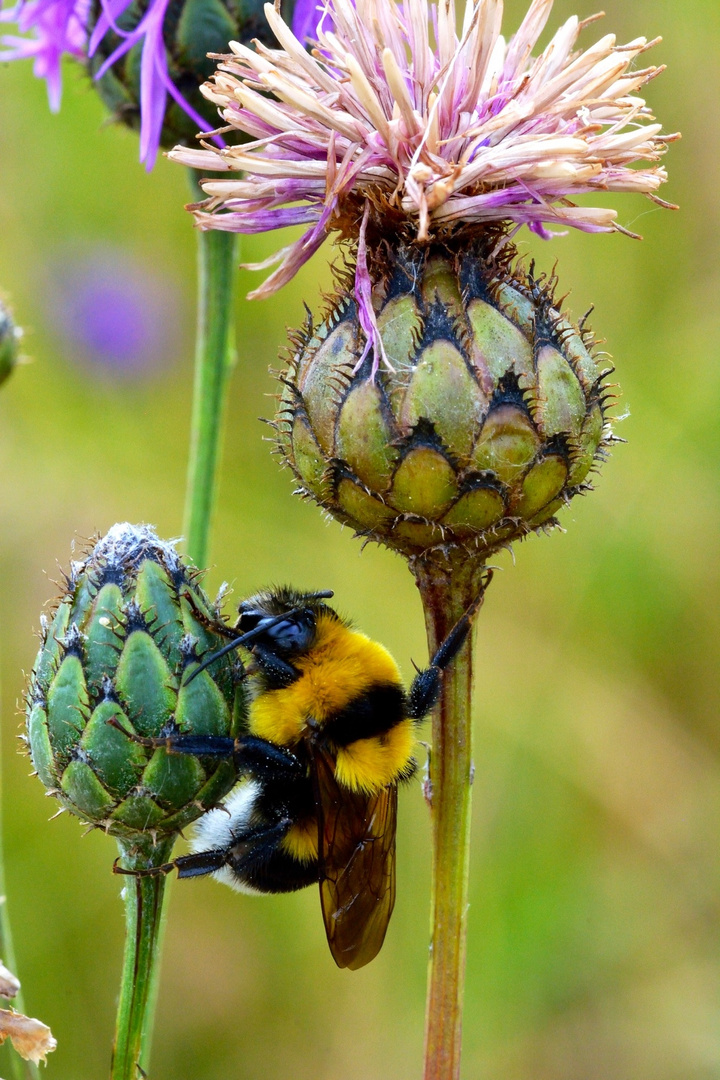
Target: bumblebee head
[{"x": 282, "y": 620}]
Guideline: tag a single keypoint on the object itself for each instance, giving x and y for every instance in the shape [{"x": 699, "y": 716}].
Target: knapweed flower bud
[
  {"x": 445, "y": 401},
  {"x": 187, "y": 31},
  {"x": 9, "y": 343},
  {"x": 130, "y": 623},
  {"x": 487, "y": 417}
]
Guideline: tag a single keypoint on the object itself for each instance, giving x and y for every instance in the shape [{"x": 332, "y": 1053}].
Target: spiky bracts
[
  {"x": 492, "y": 417},
  {"x": 398, "y": 122},
  {"x": 131, "y": 621}
]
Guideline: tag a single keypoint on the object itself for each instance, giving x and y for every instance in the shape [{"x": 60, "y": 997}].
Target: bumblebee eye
[
  {"x": 294, "y": 634},
  {"x": 248, "y": 620}
]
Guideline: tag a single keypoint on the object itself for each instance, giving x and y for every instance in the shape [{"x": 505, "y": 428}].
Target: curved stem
[
  {"x": 141, "y": 961},
  {"x": 446, "y": 594},
  {"x": 214, "y": 359}
]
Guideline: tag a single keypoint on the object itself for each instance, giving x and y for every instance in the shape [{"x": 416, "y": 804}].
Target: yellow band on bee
[{"x": 341, "y": 665}]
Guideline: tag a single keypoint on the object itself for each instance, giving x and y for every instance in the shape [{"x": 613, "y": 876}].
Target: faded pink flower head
[{"x": 397, "y": 121}]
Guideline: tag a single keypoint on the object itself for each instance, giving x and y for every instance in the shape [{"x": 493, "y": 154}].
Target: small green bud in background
[
  {"x": 9, "y": 343},
  {"x": 131, "y": 622},
  {"x": 491, "y": 419}
]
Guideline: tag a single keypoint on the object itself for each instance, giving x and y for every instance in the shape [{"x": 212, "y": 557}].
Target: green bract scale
[
  {"x": 132, "y": 622},
  {"x": 190, "y": 30},
  {"x": 491, "y": 418}
]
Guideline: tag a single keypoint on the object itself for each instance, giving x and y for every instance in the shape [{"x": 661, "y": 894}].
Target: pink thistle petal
[{"x": 365, "y": 310}]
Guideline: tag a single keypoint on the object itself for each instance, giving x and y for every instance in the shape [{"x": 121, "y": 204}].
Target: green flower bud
[
  {"x": 133, "y": 619},
  {"x": 190, "y": 30},
  {"x": 492, "y": 417},
  {"x": 9, "y": 343}
]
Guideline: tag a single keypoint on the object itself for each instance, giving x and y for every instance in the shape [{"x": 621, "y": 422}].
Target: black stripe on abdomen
[
  {"x": 280, "y": 873},
  {"x": 376, "y": 710}
]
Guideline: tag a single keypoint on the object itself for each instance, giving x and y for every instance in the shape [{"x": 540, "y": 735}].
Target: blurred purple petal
[
  {"x": 114, "y": 314},
  {"x": 56, "y": 28},
  {"x": 153, "y": 66},
  {"x": 111, "y": 12},
  {"x": 306, "y": 16}
]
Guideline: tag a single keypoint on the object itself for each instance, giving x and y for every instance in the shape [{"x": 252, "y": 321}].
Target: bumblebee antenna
[{"x": 257, "y": 631}]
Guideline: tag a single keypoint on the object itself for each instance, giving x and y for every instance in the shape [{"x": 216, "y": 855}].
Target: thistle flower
[
  {"x": 130, "y": 622},
  {"x": 378, "y": 131},
  {"x": 444, "y": 402},
  {"x": 148, "y": 56}
]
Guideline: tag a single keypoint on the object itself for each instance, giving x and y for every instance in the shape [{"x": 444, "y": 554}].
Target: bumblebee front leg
[
  {"x": 217, "y": 626},
  {"x": 425, "y": 688},
  {"x": 247, "y": 753}
]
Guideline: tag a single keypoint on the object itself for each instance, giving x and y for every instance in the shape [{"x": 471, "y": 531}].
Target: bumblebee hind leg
[{"x": 244, "y": 853}]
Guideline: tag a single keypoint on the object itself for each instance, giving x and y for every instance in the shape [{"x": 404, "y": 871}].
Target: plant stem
[
  {"x": 141, "y": 961},
  {"x": 214, "y": 359},
  {"x": 446, "y": 593}
]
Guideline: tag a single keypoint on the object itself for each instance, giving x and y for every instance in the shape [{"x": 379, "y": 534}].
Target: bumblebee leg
[
  {"x": 278, "y": 672},
  {"x": 425, "y": 688},
  {"x": 196, "y": 745},
  {"x": 245, "y": 851},
  {"x": 248, "y": 754},
  {"x": 201, "y": 863},
  {"x": 151, "y": 871},
  {"x": 216, "y": 625}
]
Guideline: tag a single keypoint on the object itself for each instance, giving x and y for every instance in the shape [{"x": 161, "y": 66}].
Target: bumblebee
[{"x": 330, "y": 735}]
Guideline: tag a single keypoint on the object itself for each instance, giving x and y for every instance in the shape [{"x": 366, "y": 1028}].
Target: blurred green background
[{"x": 594, "y": 875}]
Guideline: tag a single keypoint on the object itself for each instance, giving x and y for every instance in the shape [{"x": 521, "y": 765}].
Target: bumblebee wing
[{"x": 356, "y": 853}]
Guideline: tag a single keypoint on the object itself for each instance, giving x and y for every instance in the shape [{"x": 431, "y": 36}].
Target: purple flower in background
[
  {"x": 113, "y": 313},
  {"x": 57, "y": 28},
  {"x": 52, "y": 29}
]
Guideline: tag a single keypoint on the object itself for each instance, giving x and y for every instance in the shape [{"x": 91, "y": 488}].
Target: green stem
[
  {"x": 446, "y": 594},
  {"x": 214, "y": 359},
  {"x": 141, "y": 961}
]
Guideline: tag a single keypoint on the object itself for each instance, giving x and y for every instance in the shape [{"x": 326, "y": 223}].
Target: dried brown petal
[
  {"x": 9, "y": 985},
  {"x": 32, "y": 1039}
]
